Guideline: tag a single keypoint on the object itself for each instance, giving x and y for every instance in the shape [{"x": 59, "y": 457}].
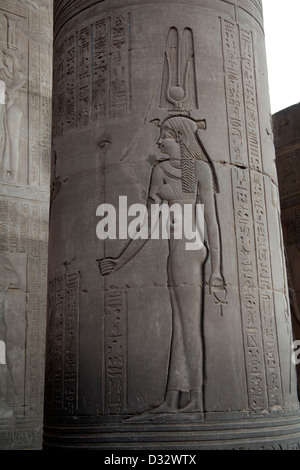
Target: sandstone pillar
[
  {"x": 287, "y": 145},
  {"x": 25, "y": 130},
  {"x": 158, "y": 346}
]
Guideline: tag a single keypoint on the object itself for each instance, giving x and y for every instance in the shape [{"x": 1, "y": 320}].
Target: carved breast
[{"x": 166, "y": 192}]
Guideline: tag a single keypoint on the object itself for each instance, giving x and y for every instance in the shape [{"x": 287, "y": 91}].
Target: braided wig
[{"x": 185, "y": 130}]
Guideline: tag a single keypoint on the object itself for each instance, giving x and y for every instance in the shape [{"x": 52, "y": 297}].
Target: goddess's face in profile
[{"x": 168, "y": 143}]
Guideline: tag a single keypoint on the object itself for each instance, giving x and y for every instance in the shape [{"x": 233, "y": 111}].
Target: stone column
[
  {"x": 25, "y": 130},
  {"x": 154, "y": 343},
  {"x": 287, "y": 145}
]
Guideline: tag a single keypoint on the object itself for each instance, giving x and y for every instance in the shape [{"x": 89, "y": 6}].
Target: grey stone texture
[
  {"x": 286, "y": 127},
  {"x": 155, "y": 346},
  {"x": 25, "y": 147}
]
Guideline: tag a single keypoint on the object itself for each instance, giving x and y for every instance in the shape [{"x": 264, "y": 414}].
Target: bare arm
[
  {"x": 108, "y": 265},
  {"x": 206, "y": 195}
]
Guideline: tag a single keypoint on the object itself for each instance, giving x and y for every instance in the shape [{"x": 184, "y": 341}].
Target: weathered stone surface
[
  {"x": 207, "y": 333},
  {"x": 287, "y": 144},
  {"x": 25, "y": 127}
]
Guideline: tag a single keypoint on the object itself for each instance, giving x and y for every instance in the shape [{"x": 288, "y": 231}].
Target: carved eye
[{"x": 104, "y": 144}]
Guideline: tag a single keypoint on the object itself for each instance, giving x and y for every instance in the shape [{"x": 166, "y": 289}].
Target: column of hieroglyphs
[
  {"x": 286, "y": 128},
  {"x": 25, "y": 136}
]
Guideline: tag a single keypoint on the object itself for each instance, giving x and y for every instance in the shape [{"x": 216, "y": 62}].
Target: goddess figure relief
[
  {"x": 186, "y": 175},
  {"x": 12, "y": 76}
]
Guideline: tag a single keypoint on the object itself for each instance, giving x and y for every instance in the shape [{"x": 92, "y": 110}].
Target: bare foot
[
  {"x": 195, "y": 405},
  {"x": 169, "y": 405}
]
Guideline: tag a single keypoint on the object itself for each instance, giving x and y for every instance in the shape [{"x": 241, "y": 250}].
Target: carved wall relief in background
[
  {"x": 25, "y": 73},
  {"x": 13, "y": 78},
  {"x": 23, "y": 239},
  {"x": 25, "y": 106}
]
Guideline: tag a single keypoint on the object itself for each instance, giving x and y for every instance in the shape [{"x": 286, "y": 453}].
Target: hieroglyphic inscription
[
  {"x": 13, "y": 225},
  {"x": 50, "y": 344},
  {"x": 70, "y": 82},
  {"x": 260, "y": 221},
  {"x": 12, "y": 35},
  {"x": 24, "y": 230},
  {"x": 18, "y": 10},
  {"x": 84, "y": 76},
  {"x": 20, "y": 439},
  {"x": 58, "y": 345},
  {"x": 32, "y": 339},
  {"x": 234, "y": 93},
  {"x": 265, "y": 291},
  {"x": 92, "y": 73},
  {"x": 71, "y": 371},
  {"x": 63, "y": 343},
  {"x": 45, "y": 116},
  {"x": 59, "y": 89},
  {"x": 34, "y": 20},
  {"x": 264, "y": 383},
  {"x": 115, "y": 352},
  {"x": 248, "y": 291},
  {"x": 100, "y": 87},
  {"x": 43, "y": 284},
  {"x": 3, "y": 223},
  {"x": 249, "y": 89},
  {"x": 119, "y": 66}
]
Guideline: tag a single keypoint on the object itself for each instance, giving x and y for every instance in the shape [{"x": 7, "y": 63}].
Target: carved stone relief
[
  {"x": 115, "y": 352},
  {"x": 93, "y": 72},
  {"x": 25, "y": 79},
  {"x": 166, "y": 339},
  {"x": 13, "y": 78},
  {"x": 179, "y": 81},
  {"x": 63, "y": 344},
  {"x": 25, "y": 70},
  {"x": 186, "y": 175},
  {"x": 8, "y": 279}
]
